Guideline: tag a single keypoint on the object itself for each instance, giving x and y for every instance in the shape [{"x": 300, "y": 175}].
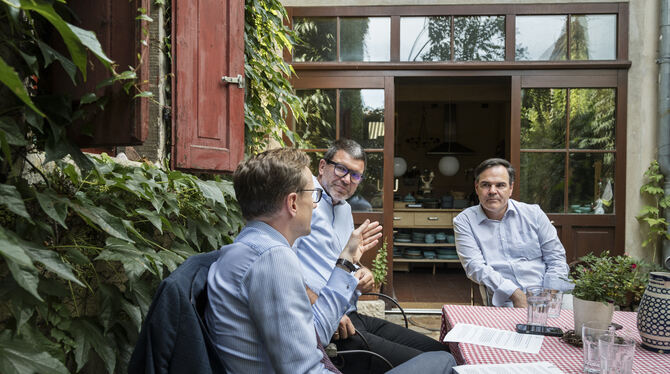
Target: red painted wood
[
  {"x": 208, "y": 116},
  {"x": 124, "y": 121}
]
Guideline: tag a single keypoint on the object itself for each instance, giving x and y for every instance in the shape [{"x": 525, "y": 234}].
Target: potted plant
[
  {"x": 603, "y": 282},
  {"x": 380, "y": 267}
]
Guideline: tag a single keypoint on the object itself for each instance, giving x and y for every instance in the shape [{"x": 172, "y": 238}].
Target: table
[{"x": 566, "y": 357}]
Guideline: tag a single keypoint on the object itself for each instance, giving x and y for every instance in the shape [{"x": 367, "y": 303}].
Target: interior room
[{"x": 445, "y": 126}]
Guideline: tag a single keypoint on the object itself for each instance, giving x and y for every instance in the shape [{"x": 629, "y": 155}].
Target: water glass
[
  {"x": 538, "y": 302},
  {"x": 591, "y": 331},
  {"x": 555, "y": 301},
  {"x": 616, "y": 354}
]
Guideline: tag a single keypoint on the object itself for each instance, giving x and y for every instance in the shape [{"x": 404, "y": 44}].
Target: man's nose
[{"x": 347, "y": 178}]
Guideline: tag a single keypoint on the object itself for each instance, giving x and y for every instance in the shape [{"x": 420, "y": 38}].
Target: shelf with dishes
[{"x": 410, "y": 244}]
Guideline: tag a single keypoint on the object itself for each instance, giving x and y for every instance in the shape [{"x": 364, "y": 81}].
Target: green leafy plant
[
  {"x": 614, "y": 279},
  {"x": 379, "y": 266},
  {"x": 83, "y": 254},
  {"x": 652, "y": 214}
]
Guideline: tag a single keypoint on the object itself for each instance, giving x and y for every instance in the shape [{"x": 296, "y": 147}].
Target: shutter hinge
[{"x": 238, "y": 80}]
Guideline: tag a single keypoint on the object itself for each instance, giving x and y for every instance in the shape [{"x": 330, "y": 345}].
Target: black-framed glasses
[
  {"x": 342, "y": 171},
  {"x": 316, "y": 194}
]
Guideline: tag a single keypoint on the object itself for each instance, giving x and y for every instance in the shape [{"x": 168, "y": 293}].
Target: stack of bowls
[
  {"x": 447, "y": 254},
  {"x": 412, "y": 253},
  {"x": 440, "y": 237},
  {"x": 418, "y": 236},
  {"x": 429, "y": 238},
  {"x": 429, "y": 254}
]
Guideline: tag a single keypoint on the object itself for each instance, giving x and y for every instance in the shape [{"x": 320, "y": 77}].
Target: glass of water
[
  {"x": 616, "y": 354},
  {"x": 555, "y": 301},
  {"x": 591, "y": 331},
  {"x": 538, "y": 304}
]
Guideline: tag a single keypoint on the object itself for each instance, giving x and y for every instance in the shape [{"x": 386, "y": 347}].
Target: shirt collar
[{"x": 265, "y": 228}]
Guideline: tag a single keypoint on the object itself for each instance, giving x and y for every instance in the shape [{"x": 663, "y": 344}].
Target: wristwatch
[{"x": 346, "y": 264}]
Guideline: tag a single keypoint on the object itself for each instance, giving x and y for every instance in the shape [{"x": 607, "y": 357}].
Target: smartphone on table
[{"x": 539, "y": 330}]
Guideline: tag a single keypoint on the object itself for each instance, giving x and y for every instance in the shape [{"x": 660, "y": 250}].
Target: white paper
[
  {"x": 504, "y": 339},
  {"x": 525, "y": 368}
]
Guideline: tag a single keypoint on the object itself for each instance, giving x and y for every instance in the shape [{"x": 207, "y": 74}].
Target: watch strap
[{"x": 347, "y": 264}]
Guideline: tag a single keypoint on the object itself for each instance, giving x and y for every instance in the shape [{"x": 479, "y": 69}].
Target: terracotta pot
[
  {"x": 653, "y": 317},
  {"x": 585, "y": 310}
]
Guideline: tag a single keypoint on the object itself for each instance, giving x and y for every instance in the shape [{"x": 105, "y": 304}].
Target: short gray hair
[{"x": 352, "y": 147}]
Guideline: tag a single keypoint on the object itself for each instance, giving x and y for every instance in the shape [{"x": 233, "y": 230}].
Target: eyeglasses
[
  {"x": 316, "y": 194},
  {"x": 342, "y": 171}
]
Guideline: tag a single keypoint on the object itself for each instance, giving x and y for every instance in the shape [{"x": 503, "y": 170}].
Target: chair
[
  {"x": 483, "y": 292},
  {"x": 174, "y": 338},
  {"x": 339, "y": 357}
]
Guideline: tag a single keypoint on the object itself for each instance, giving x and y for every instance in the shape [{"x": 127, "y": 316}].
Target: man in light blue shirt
[
  {"x": 258, "y": 312},
  {"x": 508, "y": 245},
  {"x": 340, "y": 172}
]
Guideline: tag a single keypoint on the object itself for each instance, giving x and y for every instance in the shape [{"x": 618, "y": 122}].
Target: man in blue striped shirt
[{"x": 258, "y": 311}]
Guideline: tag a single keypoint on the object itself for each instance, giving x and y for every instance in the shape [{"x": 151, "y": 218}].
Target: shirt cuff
[
  {"x": 343, "y": 283},
  {"x": 503, "y": 292}
]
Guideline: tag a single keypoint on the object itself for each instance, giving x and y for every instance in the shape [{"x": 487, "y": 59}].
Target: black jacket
[{"x": 174, "y": 338}]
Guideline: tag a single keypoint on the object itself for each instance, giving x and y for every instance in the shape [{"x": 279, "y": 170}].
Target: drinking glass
[
  {"x": 616, "y": 354},
  {"x": 538, "y": 301},
  {"x": 591, "y": 331},
  {"x": 555, "y": 301}
]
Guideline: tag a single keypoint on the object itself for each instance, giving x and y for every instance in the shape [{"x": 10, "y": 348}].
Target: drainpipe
[{"x": 664, "y": 111}]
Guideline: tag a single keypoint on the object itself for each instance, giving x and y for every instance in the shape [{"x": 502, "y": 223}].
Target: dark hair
[
  {"x": 263, "y": 181},
  {"x": 491, "y": 162},
  {"x": 350, "y": 146}
]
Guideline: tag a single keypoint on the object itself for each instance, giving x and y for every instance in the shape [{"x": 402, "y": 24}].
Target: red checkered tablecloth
[{"x": 565, "y": 356}]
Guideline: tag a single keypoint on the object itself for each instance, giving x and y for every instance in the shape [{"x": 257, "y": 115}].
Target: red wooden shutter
[
  {"x": 124, "y": 121},
  {"x": 208, "y": 114}
]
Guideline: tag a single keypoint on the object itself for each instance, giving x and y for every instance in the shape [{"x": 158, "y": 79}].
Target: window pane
[
  {"x": 425, "y": 39},
  {"x": 542, "y": 180},
  {"x": 480, "y": 38},
  {"x": 319, "y": 129},
  {"x": 365, "y": 39},
  {"x": 593, "y": 37},
  {"x": 541, "y": 38},
  {"x": 368, "y": 195},
  {"x": 362, "y": 116},
  {"x": 592, "y": 118},
  {"x": 319, "y": 39},
  {"x": 543, "y": 118},
  {"x": 591, "y": 179}
]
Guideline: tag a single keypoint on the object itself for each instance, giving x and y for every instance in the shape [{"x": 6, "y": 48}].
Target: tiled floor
[{"x": 420, "y": 289}]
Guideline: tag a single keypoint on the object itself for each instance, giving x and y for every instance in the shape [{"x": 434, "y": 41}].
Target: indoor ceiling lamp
[
  {"x": 399, "y": 168},
  {"x": 449, "y": 164}
]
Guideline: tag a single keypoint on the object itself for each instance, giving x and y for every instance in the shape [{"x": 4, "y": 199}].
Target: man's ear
[
  {"x": 322, "y": 166},
  {"x": 292, "y": 204}
]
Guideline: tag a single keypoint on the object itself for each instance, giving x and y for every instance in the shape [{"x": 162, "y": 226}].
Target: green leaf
[
  {"x": 12, "y": 80},
  {"x": 25, "y": 278},
  {"x": 12, "y": 133},
  {"x": 89, "y": 39},
  {"x": 210, "y": 190},
  {"x": 144, "y": 94},
  {"x": 88, "y": 98},
  {"x": 153, "y": 217},
  {"x": 133, "y": 312},
  {"x": 132, "y": 259},
  {"x": 87, "y": 336},
  {"x": 102, "y": 220},
  {"x": 17, "y": 356},
  {"x": 11, "y": 198},
  {"x": 53, "y": 205},
  {"x": 12, "y": 250},
  {"x": 144, "y": 17},
  {"x": 53, "y": 262},
  {"x": 12, "y": 3},
  {"x": 51, "y": 54}
]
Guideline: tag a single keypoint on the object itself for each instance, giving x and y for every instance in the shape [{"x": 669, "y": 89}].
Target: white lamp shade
[
  {"x": 448, "y": 165},
  {"x": 399, "y": 166}
]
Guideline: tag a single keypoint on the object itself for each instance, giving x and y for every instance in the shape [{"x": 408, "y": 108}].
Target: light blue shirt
[
  {"x": 258, "y": 311},
  {"x": 519, "y": 251},
  {"x": 331, "y": 228}
]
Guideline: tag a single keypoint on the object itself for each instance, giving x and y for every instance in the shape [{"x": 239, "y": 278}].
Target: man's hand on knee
[
  {"x": 365, "y": 280},
  {"x": 345, "y": 330}
]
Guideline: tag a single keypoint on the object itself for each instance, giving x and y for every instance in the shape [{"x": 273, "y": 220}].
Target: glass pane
[
  {"x": 543, "y": 118},
  {"x": 593, "y": 37},
  {"x": 541, "y": 38},
  {"x": 368, "y": 195},
  {"x": 362, "y": 116},
  {"x": 319, "y": 128},
  {"x": 591, "y": 179},
  {"x": 480, "y": 38},
  {"x": 542, "y": 180},
  {"x": 592, "y": 121},
  {"x": 319, "y": 36},
  {"x": 365, "y": 39},
  {"x": 425, "y": 39}
]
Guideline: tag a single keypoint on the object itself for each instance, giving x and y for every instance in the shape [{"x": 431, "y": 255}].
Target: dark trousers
[{"x": 395, "y": 343}]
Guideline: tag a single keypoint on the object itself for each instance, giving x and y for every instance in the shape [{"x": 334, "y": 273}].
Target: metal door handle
[
  {"x": 395, "y": 218},
  {"x": 433, "y": 218},
  {"x": 238, "y": 80}
]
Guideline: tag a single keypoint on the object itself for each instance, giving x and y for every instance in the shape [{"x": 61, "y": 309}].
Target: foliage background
[{"x": 85, "y": 241}]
